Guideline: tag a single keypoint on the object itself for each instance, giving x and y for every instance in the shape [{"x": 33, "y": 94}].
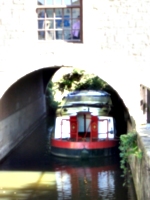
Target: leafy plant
[
  {"x": 69, "y": 80},
  {"x": 128, "y": 146},
  {"x": 93, "y": 83},
  {"x": 78, "y": 80},
  {"x": 51, "y": 103}
]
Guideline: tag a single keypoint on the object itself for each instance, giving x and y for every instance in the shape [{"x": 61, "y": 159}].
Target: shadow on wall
[{"x": 124, "y": 122}]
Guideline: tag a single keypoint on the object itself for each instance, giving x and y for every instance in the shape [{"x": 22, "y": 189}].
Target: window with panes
[{"x": 59, "y": 20}]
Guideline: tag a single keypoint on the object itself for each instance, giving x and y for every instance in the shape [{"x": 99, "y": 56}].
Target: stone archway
[{"x": 120, "y": 111}]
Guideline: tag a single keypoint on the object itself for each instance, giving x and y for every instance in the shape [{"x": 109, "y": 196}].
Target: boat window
[{"x": 88, "y": 99}]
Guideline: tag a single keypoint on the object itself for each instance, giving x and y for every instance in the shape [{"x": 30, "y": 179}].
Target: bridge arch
[
  {"x": 123, "y": 118},
  {"x": 21, "y": 108}
]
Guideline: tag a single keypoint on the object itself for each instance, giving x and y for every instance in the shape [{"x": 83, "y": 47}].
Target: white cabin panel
[
  {"x": 62, "y": 131},
  {"x": 102, "y": 127}
]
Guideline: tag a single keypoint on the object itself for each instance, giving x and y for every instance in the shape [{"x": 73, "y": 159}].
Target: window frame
[{"x": 46, "y": 6}]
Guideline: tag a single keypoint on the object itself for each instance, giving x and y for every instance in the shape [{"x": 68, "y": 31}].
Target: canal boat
[{"x": 84, "y": 127}]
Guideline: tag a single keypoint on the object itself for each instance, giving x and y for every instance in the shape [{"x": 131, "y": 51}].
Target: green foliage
[
  {"x": 68, "y": 80},
  {"x": 78, "y": 80},
  {"x": 128, "y": 146},
  {"x": 94, "y": 83},
  {"x": 51, "y": 103}
]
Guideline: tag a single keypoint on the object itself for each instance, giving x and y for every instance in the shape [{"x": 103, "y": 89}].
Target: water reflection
[
  {"x": 71, "y": 179},
  {"x": 89, "y": 179},
  {"x": 30, "y": 172}
]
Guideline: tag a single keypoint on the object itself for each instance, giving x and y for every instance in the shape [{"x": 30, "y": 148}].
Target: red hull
[
  {"x": 101, "y": 144},
  {"x": 82, "y": 149}
]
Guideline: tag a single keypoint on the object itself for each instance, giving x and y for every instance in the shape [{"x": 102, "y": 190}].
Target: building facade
[{"x": 109, "y": 38}]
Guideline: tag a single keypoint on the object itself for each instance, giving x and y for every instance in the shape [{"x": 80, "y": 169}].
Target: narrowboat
[{"x": 84, "y": 127}]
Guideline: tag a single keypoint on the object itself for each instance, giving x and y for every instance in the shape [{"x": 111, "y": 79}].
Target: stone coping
[{"x": 144, "y": 138}]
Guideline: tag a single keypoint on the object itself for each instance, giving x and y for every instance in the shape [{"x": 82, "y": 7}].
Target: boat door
[{"x": 84, "y": 120}]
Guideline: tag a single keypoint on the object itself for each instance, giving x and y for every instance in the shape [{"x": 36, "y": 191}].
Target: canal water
[{"x": 31, "y": 172}]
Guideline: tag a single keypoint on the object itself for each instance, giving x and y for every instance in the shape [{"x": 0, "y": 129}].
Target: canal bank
[{"x": 141, "y": 167}]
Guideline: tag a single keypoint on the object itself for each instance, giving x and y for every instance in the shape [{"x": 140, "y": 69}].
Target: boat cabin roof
[
  {"x": 88, "y": 93},
  {"x": 86, "y": 97}
]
